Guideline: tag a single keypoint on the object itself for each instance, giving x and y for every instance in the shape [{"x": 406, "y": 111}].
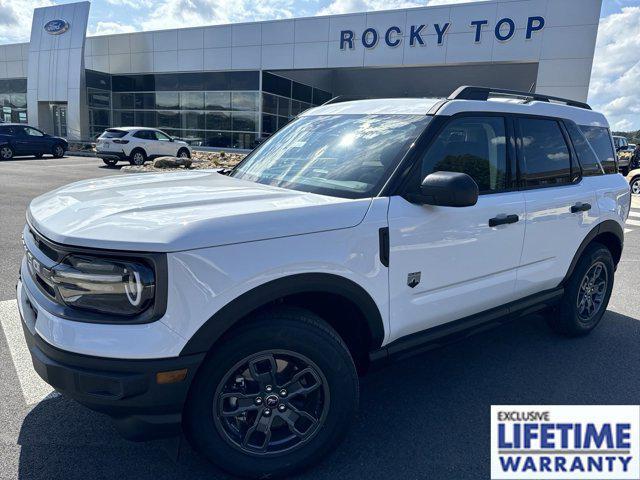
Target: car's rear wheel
[
  {"x": 587, "y": 293},
  {"x": 184, "y": 153},
  {"x": 6, "y": 152},
  {"x": 57, "y": 151},
  {"x": 109, "y": 162},
  {"x": 635, "y": 186},
  {"x": 274, "y": 396},
  {"x": 138, "y": 157}
]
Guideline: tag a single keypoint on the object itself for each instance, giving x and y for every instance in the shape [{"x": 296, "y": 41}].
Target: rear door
[
  {"x": 561, "y": 208},
  {"x": 31, "y": 141},
  {"x": 448, "y": 263},
  {"x": 147, "y": 141}
]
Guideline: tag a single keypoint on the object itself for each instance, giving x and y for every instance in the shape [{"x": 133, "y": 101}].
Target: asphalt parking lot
[{"x": 427, "y": 417}]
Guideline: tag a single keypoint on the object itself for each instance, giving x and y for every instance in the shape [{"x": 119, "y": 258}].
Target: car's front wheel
[
  {"x": 635, "y": 186},
  {"x": 184, "y": 153},
  {"x": 6, "y": 152},
  {"x": 57, "y": 151},
  {"x": 587, "y": 293},
  {"x": 274, "y": 396}
]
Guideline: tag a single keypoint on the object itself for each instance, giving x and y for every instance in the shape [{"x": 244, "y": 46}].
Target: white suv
[
  {"x": 241, "y": 309},
  {"x": 137, "y": 145}
]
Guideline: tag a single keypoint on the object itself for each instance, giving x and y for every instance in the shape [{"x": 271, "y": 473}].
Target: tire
[
  {"x": 138, "y": 157},
  {"x": 6, "y": 152},
  {"x": 183, "y": 153},
  {"x": 635, "y": 185},
  {"x": 576, "y": 315},
  {"x": 110, "y": 163},
  {"x": 58, "y": 151},
  {"x": 624, "y": 171},
  {"x": 296, "y": 341}
]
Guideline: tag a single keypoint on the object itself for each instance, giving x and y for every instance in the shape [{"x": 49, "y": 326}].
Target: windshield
[{"x": 340, "y": 155}]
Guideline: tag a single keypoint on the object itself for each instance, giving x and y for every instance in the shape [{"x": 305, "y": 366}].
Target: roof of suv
[
  {"x": 511, "y": 102},
  {"x": 131, "y": 129}
]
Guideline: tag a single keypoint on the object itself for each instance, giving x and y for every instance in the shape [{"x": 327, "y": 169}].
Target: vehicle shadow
[{"x": 423, "y": 417}]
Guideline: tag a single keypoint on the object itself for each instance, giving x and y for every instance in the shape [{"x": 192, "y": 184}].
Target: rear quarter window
[
  {"x": 586, "y": 155},
  {"x": 600, "y": 140},
  {"x": 112, "y": 133}
]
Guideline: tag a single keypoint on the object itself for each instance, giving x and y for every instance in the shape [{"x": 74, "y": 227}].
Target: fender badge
[{"x": 413, "y": 279}]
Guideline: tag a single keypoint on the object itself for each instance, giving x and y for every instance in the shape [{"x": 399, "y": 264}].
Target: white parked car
[
  {"x": 241, "y": 309},
  {"x": 137, "y": 145}
]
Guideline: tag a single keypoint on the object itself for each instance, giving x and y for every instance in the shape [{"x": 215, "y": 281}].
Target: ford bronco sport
[{"x": 240, "y": 309}]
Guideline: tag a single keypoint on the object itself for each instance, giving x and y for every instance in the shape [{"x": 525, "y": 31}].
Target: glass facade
[
  {"x": 13, "y": 99},
  {"x": 212, "y": 109},
  {"x": 284, "y": 99}
]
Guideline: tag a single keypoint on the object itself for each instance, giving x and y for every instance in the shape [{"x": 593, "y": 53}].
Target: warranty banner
[{"x": 559, "y": 442}]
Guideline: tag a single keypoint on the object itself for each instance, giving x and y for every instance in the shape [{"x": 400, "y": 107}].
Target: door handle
[
  {"x": 580, "y": 207},
  {"x": 503, "y": 220}
]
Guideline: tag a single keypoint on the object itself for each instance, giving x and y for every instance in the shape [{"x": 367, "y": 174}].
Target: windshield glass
[{"x": 340, "y": 155}]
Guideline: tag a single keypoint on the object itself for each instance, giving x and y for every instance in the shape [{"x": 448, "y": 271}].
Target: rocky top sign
[{"x": 393, "y": 36}]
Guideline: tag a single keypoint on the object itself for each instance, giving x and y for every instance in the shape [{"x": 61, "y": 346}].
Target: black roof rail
[
  {"x": 343, "y": 98},
  {"x": 483, "y": 93}
]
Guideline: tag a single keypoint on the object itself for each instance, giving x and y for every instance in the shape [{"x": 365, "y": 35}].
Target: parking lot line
[
  {"x": 635, "y": 223},
  {"x": 634, "y": 214},
  {"x": 34, "y": 389}
]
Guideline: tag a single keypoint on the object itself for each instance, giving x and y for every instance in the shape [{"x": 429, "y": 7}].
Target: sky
[{"x": 615, "y": 80}]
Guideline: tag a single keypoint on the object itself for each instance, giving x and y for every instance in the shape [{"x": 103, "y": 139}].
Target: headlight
[{"x": 111, "y": 286}]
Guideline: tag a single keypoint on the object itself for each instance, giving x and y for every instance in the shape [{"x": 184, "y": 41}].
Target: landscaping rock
[
  {"x": 172, "y": 162},
  {"x": 198, "y": 161}
]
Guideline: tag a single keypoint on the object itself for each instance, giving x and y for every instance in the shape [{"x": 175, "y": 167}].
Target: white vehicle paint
[
  {"x": 407, "y": 220},
  {"x": 138, "y": 144}
]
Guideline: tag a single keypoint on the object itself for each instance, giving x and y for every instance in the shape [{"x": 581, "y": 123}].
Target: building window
[{"x": 13, "y": 100}]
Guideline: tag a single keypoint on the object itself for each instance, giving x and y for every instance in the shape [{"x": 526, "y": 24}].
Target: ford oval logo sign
[{"x": 56, "y": 27}]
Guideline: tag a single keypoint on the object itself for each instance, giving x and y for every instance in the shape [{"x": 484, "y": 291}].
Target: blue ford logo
[{"x": 56, "y": 27}]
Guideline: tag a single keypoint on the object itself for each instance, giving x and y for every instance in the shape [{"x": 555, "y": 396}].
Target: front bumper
[
  {"x": 111, "y": 155},
  {"x": 126, "y": 390}
]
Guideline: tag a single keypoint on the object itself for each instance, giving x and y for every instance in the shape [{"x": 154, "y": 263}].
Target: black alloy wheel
[{"x": 271, "y": 403}]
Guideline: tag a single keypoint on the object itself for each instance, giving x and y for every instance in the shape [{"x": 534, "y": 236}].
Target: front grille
[
  {"x": 41, "y": 256},
  {"x": 45, "y": 247}
]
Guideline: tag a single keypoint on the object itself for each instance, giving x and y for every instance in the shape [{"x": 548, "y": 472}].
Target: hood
[{"x": 167, "y": 212}]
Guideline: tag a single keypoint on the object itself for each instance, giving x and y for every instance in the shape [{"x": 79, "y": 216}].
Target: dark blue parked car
[{"x": 19, "y": 139}]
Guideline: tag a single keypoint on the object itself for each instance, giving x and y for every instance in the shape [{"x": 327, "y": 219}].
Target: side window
[
  {"x": 600, "y": 140},
  {"x": 547, "y": 160},
  {"x": 586, "y": 155},
  {"x": 472, "y": 145},
  {"x": 32, "y": 132},
  {"x": 144, "y": 135},
  {"x": 161, "y": 136}
]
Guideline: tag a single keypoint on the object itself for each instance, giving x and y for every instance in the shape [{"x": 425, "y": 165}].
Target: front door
[
  {"x": 59, "y": 119},
  {"x": 447, "y": 263},
  {"x": 164, "y": 145},
  {"x": 31, "y": 141}
]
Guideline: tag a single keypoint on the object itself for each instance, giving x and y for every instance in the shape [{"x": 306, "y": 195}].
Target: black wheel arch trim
[
  {"x": 214, "y": 328},
  {"x": 608, "y": 226}
]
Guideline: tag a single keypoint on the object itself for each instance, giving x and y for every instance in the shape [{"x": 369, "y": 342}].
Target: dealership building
[{"x": 228, "y": 85}]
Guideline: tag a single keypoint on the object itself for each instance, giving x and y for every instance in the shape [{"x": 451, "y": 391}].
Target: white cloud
[
  {"x": 16, "y": 17},
  {"x": 135, "y": 4},
  {"x": 350, "y": 6},
  {"x": 190, "y": 13},
  {"x": 109, "y": 28},
  {"x": 615, "y": 80}
]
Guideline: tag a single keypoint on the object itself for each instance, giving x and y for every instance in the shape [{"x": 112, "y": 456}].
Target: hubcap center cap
[{"x": 271, "y": 401}]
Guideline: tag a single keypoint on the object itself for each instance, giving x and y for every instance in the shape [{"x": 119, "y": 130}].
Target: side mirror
[{"x": 447, "y": 189}]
